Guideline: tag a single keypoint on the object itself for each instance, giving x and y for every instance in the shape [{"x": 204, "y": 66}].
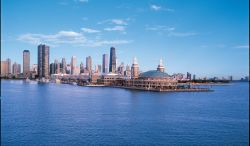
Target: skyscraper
[
  {"x": 68, "y": 69},
  {"x": 73, "y": 64},
  {"x": 57, "y": 66},
  {"x": 15, "y": 69},
  {"x": 52, "y": 68},
  {"x": 99, "y": 68},
  {"x": 4, "y": 68},
  {"x": 112, "y": 61},
  {"x": 194, "y": 77},
  {"x": 9, "y": 65},
  {"x": 64, "y": 65},
  {"x": 105, "y": 63},
  {"x": 121, "y": 69},
  {"x": 81, "y": 68},
  {"x": 135, "y": 69},
  {"x": 34, "y": 68},
  {"x": 89, "y": 64},
  {"x": 26, "y": 62},
  {"x": 189, "y": 76},
  {"x": 43, "y": 61},
  {"x": 127, "y": 72}
]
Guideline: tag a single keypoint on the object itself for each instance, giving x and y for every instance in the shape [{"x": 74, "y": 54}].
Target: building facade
[
  {"x": 112, "y": 60},
  {"x": 26, "y": 62},
  {"x": 161, "y": 66},
  {"x": 16, "y": 69},
  {"x": 105, "y": 63},
  {"x": 4, "y": 68},
  {"x": 73, "y": 64},
  {"x": 135, "y": 69},
  {"x": 64, "y": 64},
  {"x": 89, "y": 64},
  {"x": 43, "y": 61}
]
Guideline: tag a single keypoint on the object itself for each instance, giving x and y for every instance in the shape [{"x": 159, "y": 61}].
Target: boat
[
  {"x": 43, "y": 80},
  {"x": 58, "y": 81},
  {"x": 27, "y": 80},
  {"x": 73, "y": 83}
]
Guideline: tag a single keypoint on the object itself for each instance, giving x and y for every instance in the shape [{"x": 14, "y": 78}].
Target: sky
[{"x": 204, "y": 37}]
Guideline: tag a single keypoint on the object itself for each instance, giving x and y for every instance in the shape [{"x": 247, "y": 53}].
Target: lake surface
[{"x": 60, "y": 114}]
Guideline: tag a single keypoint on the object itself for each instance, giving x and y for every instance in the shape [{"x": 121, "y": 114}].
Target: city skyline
[{"x": 216, "y": 47}]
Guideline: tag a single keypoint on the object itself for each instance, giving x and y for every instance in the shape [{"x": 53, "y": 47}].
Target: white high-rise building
[{"x": 73, "y": 64}]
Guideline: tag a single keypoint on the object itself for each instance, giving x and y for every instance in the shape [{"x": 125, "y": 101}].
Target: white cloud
[
  {"x": 115, "y": 28},
  {"x": 115, "y": 21},
  {"x": 242, "y": 46},
  {"x": 160, "y": 28},
  {"x": 170, "y": 31},
  {"x": 89, "y": 30},
  {"x": 68, "y": 37},
  {"x": 182, "y": 34},
  {"x": 160, "y": 8},
  {"x": 112, "y": 42},
  {"x": 68, "y": 34},
  {"x": 119, "y": 21},
  {"x": 155, "y": 7}
]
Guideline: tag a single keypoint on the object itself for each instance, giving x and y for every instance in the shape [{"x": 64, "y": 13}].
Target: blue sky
[{"x": 203, "y": 37}]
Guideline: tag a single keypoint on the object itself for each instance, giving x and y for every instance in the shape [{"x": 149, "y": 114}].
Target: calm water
[{"x": 51, "y": 114}]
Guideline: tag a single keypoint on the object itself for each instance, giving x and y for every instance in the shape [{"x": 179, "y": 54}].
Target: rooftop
[{"x": 153, "y": 74}]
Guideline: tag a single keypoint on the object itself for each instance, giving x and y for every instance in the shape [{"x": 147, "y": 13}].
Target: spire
[
  {"x": 161, "y": 62},
  {"x": 135, "y": 61},
  {"x": 160, "y": 66}
]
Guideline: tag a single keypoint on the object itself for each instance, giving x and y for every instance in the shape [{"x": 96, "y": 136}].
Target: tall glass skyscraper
[
  {"x": 43, "y": 61},
  {"x": 105, "y": 63},
  {"x": 112, "y": 61},
  {"x": 26, "y": 62}
]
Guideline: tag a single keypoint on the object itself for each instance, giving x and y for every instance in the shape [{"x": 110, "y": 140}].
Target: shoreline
[{"x": 151, "y": 89}]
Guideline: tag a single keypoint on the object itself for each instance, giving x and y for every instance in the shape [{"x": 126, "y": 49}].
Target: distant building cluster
[{"x": 104, "y": 73}]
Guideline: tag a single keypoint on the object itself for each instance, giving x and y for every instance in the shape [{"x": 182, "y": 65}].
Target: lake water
[{"x": 60, "y": 114}]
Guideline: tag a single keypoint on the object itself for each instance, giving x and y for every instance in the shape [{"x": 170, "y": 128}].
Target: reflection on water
[{"x": 60, "y": 114}]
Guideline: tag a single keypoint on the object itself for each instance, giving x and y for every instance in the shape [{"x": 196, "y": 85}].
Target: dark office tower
[
  {"x": 26, "y": 62},
  {"x": 43, "y": 61},
  {"x": 112, "y": 61},
  {"x": 89, "y": 64},
  {"x": 105, "y": 63},
  {"x": 52, "y": 68},
  {"x": 64, "y": 65}
]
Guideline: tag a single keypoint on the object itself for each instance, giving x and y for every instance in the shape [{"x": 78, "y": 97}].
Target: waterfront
[{"x": 62, "y": 114}]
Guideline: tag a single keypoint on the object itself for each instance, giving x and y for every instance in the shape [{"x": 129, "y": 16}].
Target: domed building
[
  {"x": 155, "y": 80},
  {"x": 154, "y": 74}
]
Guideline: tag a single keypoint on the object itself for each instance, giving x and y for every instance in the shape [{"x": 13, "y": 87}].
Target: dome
[{"x": 153, "y": 74}]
